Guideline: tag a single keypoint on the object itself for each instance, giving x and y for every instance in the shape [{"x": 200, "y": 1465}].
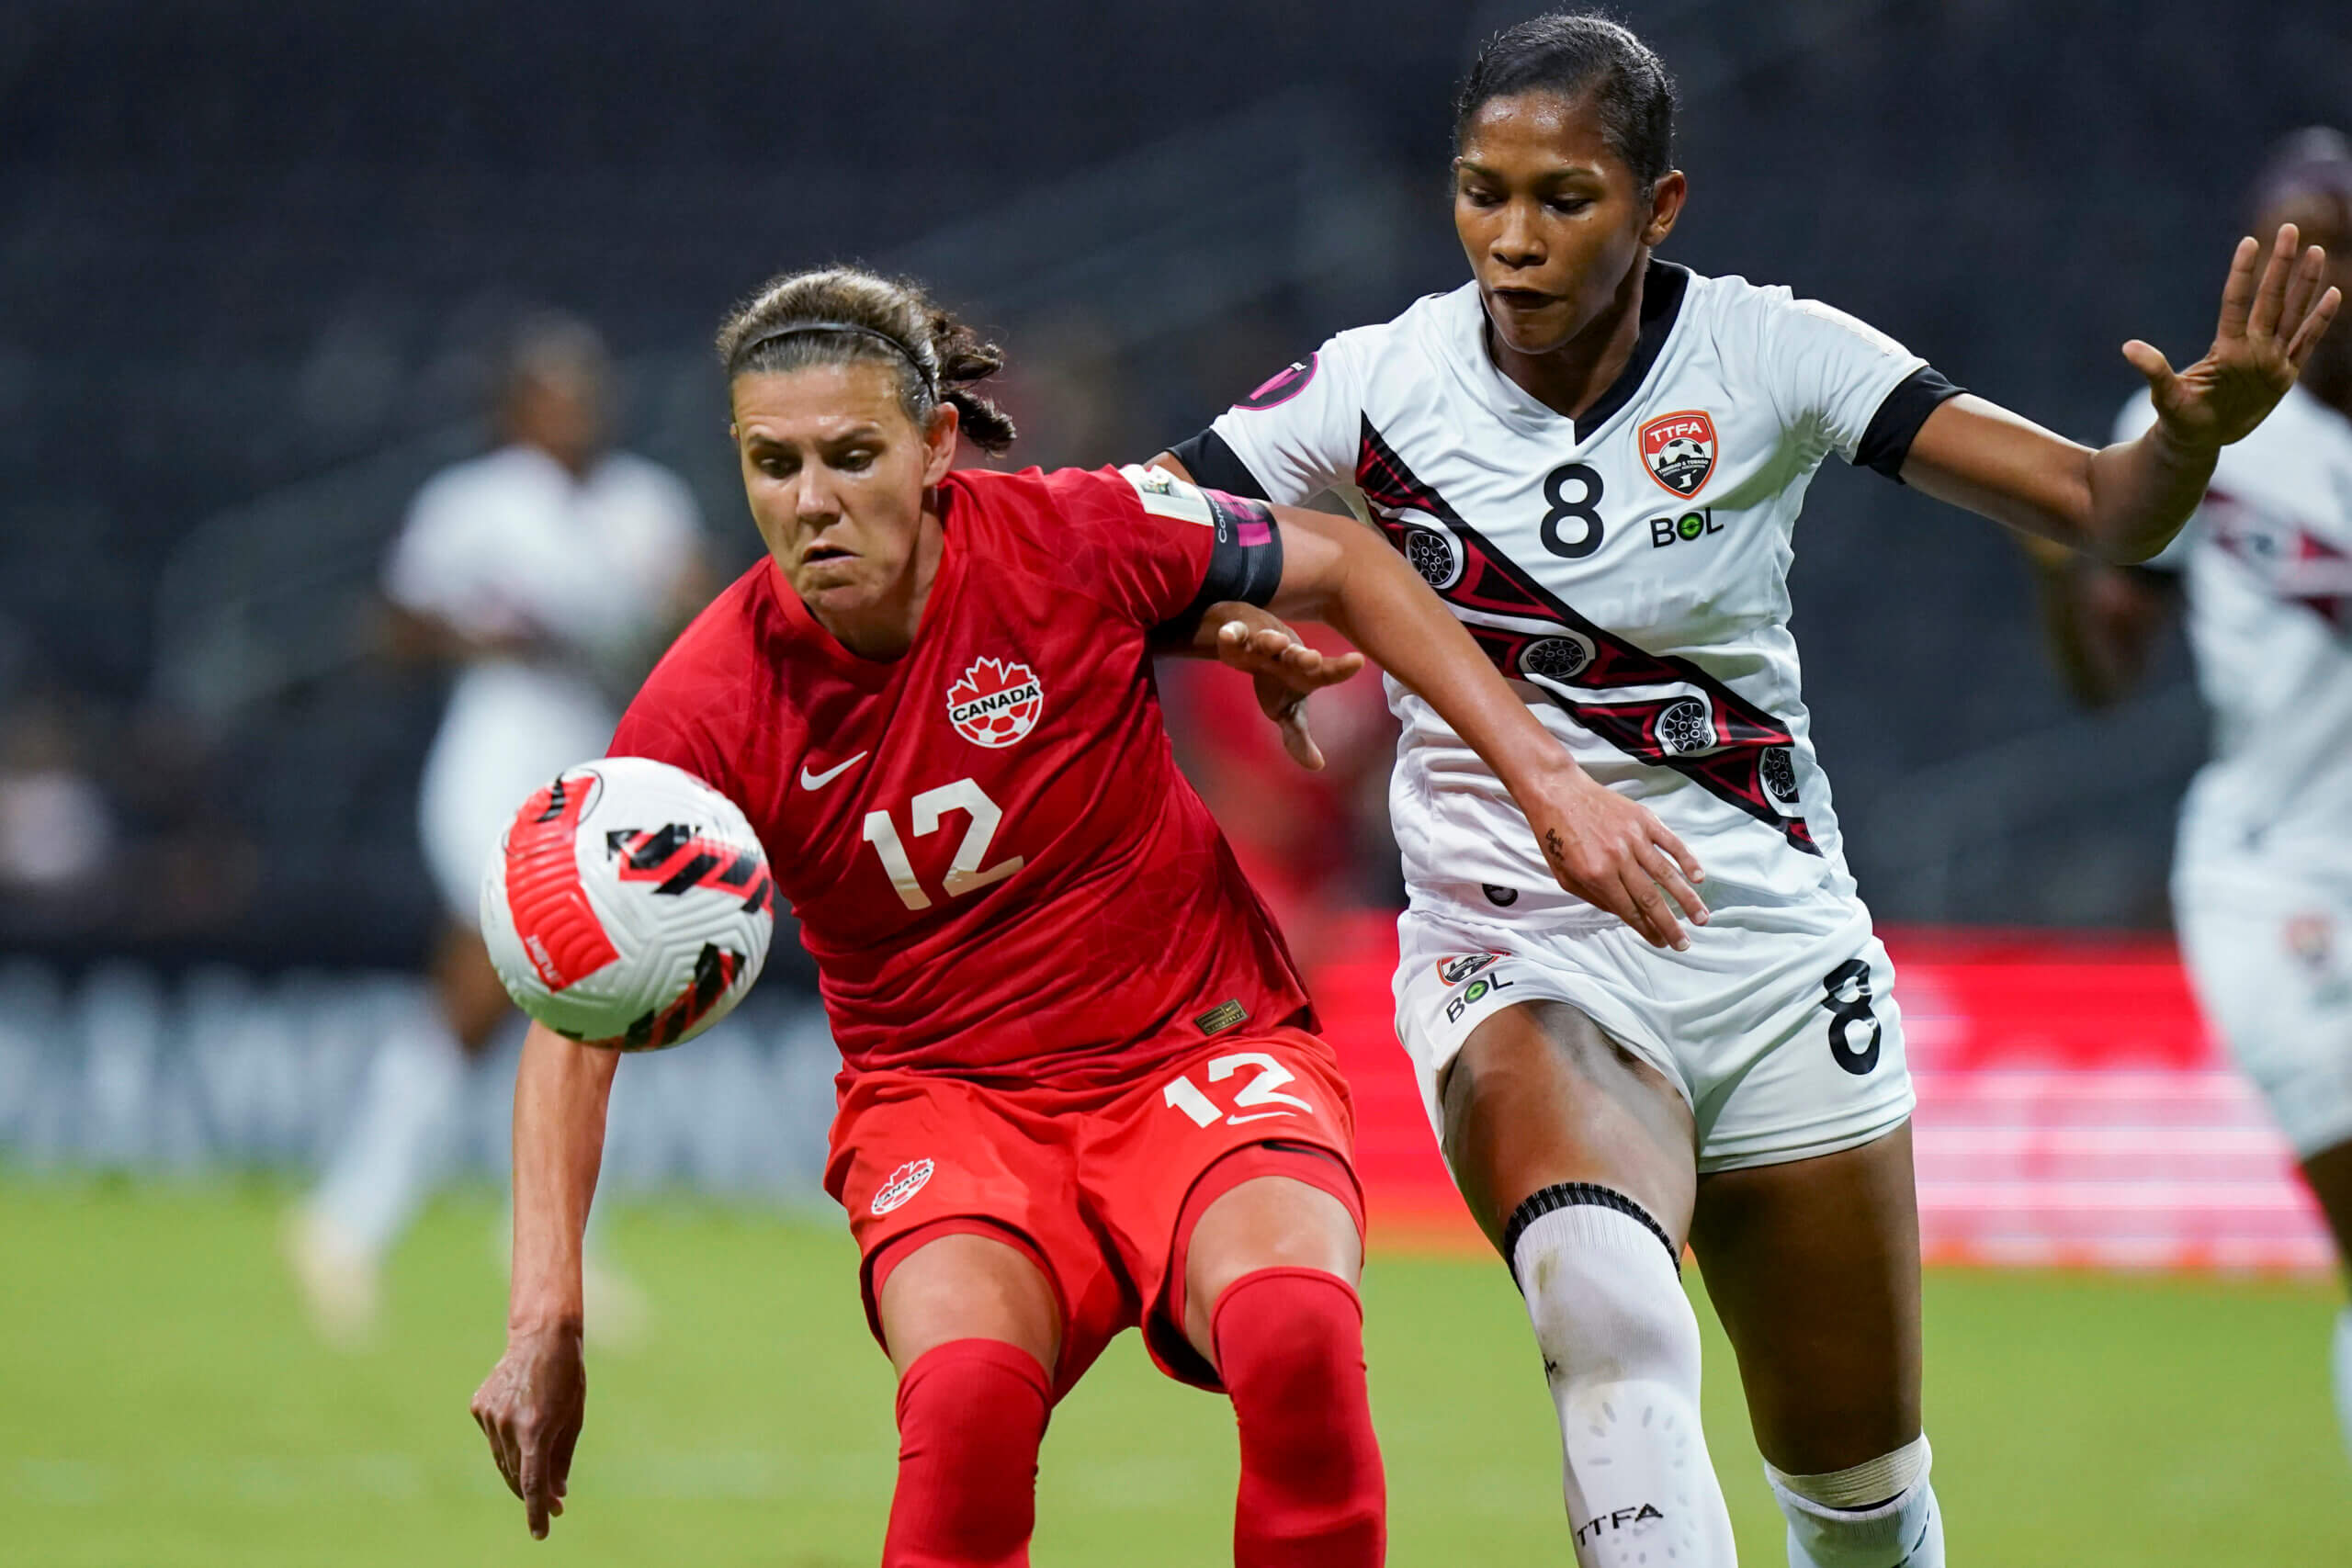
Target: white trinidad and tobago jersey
[
  {"x": 513, "y": 545},
  {"x": 2267, "y": 561},
  {"x": 1628, "y": 570}
]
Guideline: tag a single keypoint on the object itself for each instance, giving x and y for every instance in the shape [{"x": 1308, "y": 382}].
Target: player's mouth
[
  {"x": 1521, "y": 301},
  {"x": 817, "y": 554}
]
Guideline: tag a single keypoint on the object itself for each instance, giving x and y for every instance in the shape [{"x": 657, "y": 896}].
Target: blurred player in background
[
  {"x": 1082, "y": 1089},
  {"x": 547, "y": 573},
  {"x": 1597, "y": 458},
  {"x": 2262, "y": 878}
]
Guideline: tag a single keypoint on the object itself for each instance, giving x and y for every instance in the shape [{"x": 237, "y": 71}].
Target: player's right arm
[
  {"x": 531, "y": 1406},
  {"x": 1295, "y": 437},
  {"x": 1609, "y": 851}
]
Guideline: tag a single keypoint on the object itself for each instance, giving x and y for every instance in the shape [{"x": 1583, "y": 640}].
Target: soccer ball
[{"x": 630, "y": 904}]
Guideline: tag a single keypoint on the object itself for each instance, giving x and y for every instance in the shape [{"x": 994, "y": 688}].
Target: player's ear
[
  {"x": 1665, "y": 205},
  {"x": 939, "y": 437}
]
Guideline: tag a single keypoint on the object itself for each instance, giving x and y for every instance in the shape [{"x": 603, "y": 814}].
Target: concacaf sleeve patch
[{"x": 1165, "y": 495}]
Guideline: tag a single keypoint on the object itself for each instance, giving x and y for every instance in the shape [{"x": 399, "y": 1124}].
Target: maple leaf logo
[{"x": 995, "y": 703}]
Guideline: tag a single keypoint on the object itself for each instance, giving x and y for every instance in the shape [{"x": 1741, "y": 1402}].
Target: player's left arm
[{"x": 2123, "y": 503}]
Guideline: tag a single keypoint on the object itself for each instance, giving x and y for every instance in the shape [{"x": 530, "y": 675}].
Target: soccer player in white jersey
[
  {"x": 548, "y": 571},
  {"x": 1597, "y": 459},
  {"x": 2261, "y": 876}
]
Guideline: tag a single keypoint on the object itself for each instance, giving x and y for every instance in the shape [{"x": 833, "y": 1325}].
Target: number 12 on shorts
[{"x": 1265, "y": 1089}]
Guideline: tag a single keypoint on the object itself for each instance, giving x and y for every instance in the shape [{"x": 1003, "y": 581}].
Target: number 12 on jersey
[{"x": 965, "y": 873}]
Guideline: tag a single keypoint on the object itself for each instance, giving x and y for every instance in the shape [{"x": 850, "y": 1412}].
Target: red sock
[
  {"x": 971, "y": 1413},
  {"x": 1290, "y": 1349}
]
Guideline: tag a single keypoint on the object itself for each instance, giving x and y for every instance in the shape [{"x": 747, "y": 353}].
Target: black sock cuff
[{"x": 1567, "y": 1195}]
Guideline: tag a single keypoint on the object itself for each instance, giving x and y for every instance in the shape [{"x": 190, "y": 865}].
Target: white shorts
[
  {"x": 2267, "y": 952},
  {"x": 1778, "y": 1026},
  {"x": 509, "y": 730}
]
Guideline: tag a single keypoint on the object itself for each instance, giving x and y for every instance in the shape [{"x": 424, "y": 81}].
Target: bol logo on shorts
[
  {"x": 996, "y": 703},
  {"x": 1477, "y": 991},
  {"x": 904, "y": 1183}
]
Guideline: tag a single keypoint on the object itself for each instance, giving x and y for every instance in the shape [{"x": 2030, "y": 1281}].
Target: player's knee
[
  {"x": 1290, "y": 1349},
  {"x": 971, "y": 1415},
  {"x": 1882, "y": 1513},
  {"x": 1603, "y": 1290},
  {"x": 1290, "y": 1337}
]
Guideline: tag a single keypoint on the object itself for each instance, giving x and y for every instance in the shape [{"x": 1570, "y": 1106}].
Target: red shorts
[{"x": 1100, "y": 1188}]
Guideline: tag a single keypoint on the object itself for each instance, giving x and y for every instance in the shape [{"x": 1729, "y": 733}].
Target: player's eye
[
  {"x": 1570, "y": 206},
  {"x": 856, "y": 461},
  {"x": 777, "y": 467},
  {"x": 1477, "y": 197}
]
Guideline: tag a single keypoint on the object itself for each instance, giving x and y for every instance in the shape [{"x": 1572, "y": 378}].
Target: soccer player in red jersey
[{"x": 1081, "y": 1088}]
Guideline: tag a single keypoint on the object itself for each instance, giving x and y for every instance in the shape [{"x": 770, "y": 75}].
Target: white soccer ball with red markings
[{"x": 630, "y": 906}]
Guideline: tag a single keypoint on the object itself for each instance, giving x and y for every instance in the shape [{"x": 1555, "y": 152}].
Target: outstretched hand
[
  {"x": 2268, "y": 329},
  {"x": 1287, "y": 673}
]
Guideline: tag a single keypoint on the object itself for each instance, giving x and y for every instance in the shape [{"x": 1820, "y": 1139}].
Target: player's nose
[
  {"x": 814, "y": 499},
  {"x": 1518, "y": 241}
]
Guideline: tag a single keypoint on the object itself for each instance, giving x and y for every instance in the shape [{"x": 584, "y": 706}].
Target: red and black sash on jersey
[
  {"x": 1708, "y": 733},
  {"x": 2290, "y": 558}
]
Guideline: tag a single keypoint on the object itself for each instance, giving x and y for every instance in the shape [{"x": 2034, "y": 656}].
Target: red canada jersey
[{"x": 995, "y": 864}]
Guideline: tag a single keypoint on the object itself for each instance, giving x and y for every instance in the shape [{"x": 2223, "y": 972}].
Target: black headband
[{"x": 742, "y": 355}]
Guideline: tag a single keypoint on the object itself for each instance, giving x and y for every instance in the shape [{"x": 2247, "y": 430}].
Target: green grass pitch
[{"x": 161, "y": 1402}]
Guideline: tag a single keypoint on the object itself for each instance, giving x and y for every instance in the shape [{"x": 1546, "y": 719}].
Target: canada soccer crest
[
  {"x": 996, "y": 701},
  {"x": 1678, "y": 450},
  {"x": 904, "y": 1183}
]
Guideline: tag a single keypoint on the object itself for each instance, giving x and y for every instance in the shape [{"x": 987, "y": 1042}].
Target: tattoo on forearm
[{"x": 1553, "y": 849}]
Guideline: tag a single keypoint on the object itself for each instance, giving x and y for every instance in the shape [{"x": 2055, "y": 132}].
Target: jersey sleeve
[
  {"x": 1157, "y": 551},
  {"x": 1843, "y": 385},
  {"x": 1293, "y": 438}
]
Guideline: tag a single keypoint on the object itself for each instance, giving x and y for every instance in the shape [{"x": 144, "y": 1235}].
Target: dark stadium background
[{"x": 255, "y": 255}]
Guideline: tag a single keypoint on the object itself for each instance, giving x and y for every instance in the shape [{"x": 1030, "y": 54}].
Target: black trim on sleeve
[
  {"x": 1244, "y": 563},
  {"x": 1888, "y": 442},
  {"x": 1214, "y": 466}
]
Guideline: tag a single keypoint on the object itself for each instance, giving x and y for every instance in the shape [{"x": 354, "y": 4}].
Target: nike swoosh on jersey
[
  {"x": 818, "y": 781},
  {"x": 1259, "y": 1116}
]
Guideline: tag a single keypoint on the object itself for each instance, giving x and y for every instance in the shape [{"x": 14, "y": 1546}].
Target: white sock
[
  {"x": 2343, "y": 1374},
  {"x": 408, "y": 1111},
  {"x": 1621, "y": 1350},
  {"x": 1882, "y": 1513}
]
